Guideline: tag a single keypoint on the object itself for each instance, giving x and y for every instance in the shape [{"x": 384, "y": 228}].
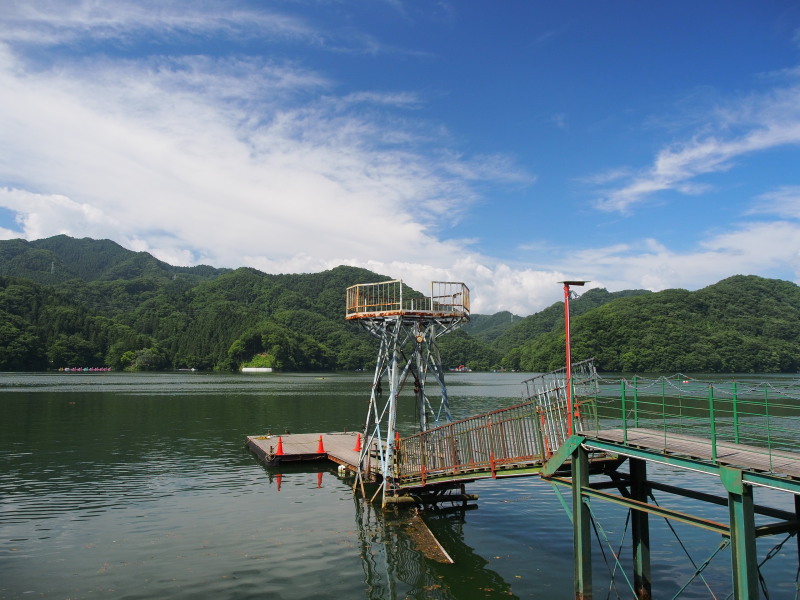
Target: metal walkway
[
  {"x": 747, "y": 435},
  {"x": 509, "y": 442},
  {"x": 778, "y": 463}
]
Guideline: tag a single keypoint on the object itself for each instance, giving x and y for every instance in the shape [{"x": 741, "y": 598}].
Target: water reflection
[
  {"x": 396, "y": 548},
  {"x": 394, "y": 555}
]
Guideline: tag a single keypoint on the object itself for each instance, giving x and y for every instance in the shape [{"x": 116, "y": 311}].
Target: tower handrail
[{"x": 367, "y": 300}]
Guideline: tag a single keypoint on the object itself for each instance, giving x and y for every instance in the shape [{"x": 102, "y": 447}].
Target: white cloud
[
  {"x": 748, "y": 248},
  {"x": 197, "y": 159},
  {"x": 756, "y": 124},
  {"x": 76, "y": 20},
  {"x": 783, "y": 202},
  {"x": 43, "y": 215}
]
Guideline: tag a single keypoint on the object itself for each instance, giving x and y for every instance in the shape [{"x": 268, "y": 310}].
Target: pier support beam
[
  {"x": 743, "y": 534},
  {"x": 797, "y": 517},
  {"x": 640, "y": 530},
  {"x": 581, "y": 525}
]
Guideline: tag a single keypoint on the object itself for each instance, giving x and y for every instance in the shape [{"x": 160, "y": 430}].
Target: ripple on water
[{"x": 139, "y": 487}]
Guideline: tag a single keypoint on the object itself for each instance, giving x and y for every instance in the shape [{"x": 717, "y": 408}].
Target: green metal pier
[{"x": 746, "y": 435}]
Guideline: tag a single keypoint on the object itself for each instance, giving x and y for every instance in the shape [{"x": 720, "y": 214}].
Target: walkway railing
[
  {"x": 549, "y": 392},
  {"x": 481, "y": 444},
  {"x": 504, "y": 441},
  {"x": 763, "y": 416}
]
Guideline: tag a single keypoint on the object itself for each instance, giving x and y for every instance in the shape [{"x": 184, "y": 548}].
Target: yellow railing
[{"x": 446, "y": 298}]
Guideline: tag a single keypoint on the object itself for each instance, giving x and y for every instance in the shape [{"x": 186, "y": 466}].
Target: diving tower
[{"x": 408, "y": 325}]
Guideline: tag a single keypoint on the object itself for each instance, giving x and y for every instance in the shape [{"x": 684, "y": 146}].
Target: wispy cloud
[
  {"x": 756, "y": 124},
  {"x": 761, "y": 247},
  {"x": 194, "y": 158},
  {"x": 783, "y": 202},
  {"x": 560, "y": 121},
  {"x": 45, "y": 23}
]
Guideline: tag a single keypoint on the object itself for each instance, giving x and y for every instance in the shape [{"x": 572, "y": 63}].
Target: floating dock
[
  {"x": 344, "y": 449},
  {"x": 340, "y": 447}
]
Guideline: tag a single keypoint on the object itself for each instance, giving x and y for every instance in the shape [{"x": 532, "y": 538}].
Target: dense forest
[{"x": 68, "y": 302}]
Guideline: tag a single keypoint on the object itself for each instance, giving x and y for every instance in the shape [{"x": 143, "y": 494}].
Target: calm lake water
[{"x": 138, "y": 486}]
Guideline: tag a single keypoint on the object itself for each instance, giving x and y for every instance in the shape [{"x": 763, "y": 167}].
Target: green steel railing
[{"x": 764, "y": 416}]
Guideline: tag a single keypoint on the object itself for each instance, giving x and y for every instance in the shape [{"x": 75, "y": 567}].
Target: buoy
[
  {"x": 280, "y": 447},
  {"x": 358, "y": 444},
  {"x": 320, "y": 447}
]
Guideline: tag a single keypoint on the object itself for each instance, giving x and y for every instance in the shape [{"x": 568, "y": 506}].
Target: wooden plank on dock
[
  {"x": 741, "y": 456},
  {"x": 338, "y": 447}
]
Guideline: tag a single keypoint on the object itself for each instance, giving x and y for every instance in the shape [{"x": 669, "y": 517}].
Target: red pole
[
  {"x": 569, "y": 359},
  {"x": 569, "y": 351}
]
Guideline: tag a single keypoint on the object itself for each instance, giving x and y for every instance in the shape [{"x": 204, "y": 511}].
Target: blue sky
[{"x": 506, "y": 145}]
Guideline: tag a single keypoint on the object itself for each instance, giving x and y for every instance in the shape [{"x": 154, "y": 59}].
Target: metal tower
[{"x": 408, "y": 325}]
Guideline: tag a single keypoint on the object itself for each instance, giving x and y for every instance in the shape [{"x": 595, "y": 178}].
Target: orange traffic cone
[
  {"x": 279, "y": 452},
  {"x": 358, "y": 444},
  {"x": 279, "y": 479},
  {"x": 396, "y": 438},
  {"x": 319, "y": 479},
  {"x": 320, "y": 447}
]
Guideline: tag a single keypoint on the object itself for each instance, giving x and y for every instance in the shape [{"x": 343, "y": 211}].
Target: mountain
[
  {"x": 489, "y": 327},
  {"x": 66, "y": 302},
  {"x": 61, "y": 258},
  {"x": 738, "y": 325},
  {"x": 552, "y": 318}
]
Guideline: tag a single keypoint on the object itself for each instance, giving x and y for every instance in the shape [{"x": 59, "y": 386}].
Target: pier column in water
[
  {"x": 743, "y": 534},
  {"x": 640, "y": 530},
  {"x": 581, "y": 525}
]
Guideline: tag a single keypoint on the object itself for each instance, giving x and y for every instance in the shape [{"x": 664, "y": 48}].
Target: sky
[{"x": 509, "y": 146}]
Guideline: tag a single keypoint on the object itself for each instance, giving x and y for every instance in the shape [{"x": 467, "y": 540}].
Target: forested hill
[
  {"x": 552, "y": 317},
  {"x": 489, "y": 327},
  {"x": 80, "y": 303},
  {"x": 738, "y": 325},
  {"x": 62, "y": 258},
  {"x": 76, "y": 303}
]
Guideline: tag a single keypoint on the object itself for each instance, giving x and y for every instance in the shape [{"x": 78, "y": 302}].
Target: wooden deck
[
  {"x": 338, "y": 447},
  {"x": 741, "y": 456}
]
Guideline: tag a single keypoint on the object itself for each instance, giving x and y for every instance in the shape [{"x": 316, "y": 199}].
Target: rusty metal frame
[{"x": 408, "y": 326}]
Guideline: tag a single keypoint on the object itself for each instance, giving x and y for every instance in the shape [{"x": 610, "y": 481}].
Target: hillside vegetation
[
  {"x": 741, "y": 324},
  {"x": 67, "y": 303}
]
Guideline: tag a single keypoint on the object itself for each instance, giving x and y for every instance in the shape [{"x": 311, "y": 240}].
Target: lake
[{"x": 139, "y": 486}]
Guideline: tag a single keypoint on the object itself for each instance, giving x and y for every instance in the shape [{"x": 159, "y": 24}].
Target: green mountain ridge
[
  {"x": 61, "y": 258},
  {"x": 69, "y": 302},
  {"x": 552, "y": 317},
  {"x": 742, "y": 324}
]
